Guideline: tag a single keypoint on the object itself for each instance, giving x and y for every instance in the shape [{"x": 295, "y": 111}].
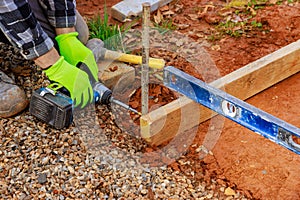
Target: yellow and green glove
[
  {"x": 73, "y": 79},
  {"x": 75, "y": 53}
]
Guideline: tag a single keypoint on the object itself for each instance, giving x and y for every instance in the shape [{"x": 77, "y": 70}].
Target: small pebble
[{"x": 42, "y": 178}]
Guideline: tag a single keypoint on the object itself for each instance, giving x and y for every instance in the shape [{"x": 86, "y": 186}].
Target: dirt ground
[{"x": 241, "y": 158}]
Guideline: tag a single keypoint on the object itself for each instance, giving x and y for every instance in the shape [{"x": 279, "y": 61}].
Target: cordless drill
[
  {"x": 55, "y": 107},
  {"x": 53, "y": 104}
]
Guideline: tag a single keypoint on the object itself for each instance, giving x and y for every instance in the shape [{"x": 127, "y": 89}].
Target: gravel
[{"x": 91, "y": 159}]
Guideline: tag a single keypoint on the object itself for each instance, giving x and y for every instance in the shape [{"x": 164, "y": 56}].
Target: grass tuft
[{"x": 110, "y": 34}]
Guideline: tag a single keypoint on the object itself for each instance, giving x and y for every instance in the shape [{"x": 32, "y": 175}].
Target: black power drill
[{"x": 55, "y": 108}]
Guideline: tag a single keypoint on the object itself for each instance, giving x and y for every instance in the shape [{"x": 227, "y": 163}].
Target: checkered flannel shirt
[{"x": 23, "y": 30}]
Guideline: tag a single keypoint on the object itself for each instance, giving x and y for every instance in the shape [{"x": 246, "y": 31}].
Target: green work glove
[
  {"x": 75, "y": 80},
  {"x": 75, "y": 52}
]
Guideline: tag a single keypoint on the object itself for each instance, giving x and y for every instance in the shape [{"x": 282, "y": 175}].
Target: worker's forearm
[
  {"x": 51, "y": 57},
  {"x": 64, "y": 30},
  {"x": 48, "y": 59}
]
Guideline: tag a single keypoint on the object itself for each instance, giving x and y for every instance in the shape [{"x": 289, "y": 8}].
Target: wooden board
[
  {"x": 162, "y": 124},
  {"x": 128, "y": 9}
]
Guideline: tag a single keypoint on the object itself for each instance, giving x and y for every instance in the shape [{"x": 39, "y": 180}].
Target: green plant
[
  {"x": 256, "y": 24},
  {"x": 234, "y": 29},
  {"x": 110, "y": 34},
  {"x": 237, "y": 29},
  {"x": 241, "y": 21},
  {"x": 165, "y": 25}
]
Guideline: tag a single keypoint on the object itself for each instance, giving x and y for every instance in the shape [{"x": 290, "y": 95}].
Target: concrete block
[{"x": 129, "y": 9}]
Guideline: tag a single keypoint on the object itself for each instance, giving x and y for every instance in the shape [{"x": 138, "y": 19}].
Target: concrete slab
[{"x": 129, "y": 9}]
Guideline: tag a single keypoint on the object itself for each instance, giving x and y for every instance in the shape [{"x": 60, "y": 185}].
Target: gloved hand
[
  {"x": 75, "y": 52},
  {"x": 75, "y": 80}
]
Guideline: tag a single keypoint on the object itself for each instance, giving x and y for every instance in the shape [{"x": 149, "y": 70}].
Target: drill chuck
[{"x": 102, "y": 94}]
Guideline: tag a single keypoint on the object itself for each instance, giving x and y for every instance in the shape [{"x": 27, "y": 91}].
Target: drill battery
[{"x": 52, "y": 107}]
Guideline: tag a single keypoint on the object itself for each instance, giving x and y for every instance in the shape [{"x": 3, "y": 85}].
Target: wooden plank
[
  {"x": 162, "y": 124},
  {"x": 129, "y": 9}
]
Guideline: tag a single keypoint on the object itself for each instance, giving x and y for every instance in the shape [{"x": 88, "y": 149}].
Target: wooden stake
[{"x": 145, "y": 58}]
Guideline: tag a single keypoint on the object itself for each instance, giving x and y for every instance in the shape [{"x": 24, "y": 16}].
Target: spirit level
[{"x": 233, "y": 108}]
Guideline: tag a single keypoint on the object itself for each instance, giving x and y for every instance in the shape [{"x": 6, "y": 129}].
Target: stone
[
  {"x": 129, "y": 9},
  {"x": 42, "y": 178},
  {"x": 111, "y": 73}
]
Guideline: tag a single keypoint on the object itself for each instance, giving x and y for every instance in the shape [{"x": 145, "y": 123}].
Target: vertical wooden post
[{"x": 145, "y": 58}]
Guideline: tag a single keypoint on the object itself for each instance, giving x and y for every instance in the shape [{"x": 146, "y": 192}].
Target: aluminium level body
[{"x": 233, "y": 108}]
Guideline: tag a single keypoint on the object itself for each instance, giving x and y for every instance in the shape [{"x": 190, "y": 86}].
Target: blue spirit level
[{"x": 233, "y": 108}]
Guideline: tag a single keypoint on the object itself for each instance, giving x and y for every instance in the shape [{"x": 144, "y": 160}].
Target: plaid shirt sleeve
[
  {"x": 22, "y": 29},
  {"x": 61, "y": 13}
]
